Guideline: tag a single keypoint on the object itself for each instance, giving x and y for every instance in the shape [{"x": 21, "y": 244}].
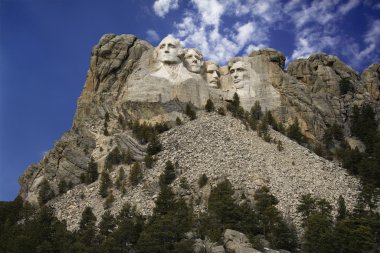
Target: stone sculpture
[
  {"x": 193, "y": 60},
  {"x": 213, "y": 75},
  {"x": 169, "y": 53},
  {"x": 240, "y": 75}
]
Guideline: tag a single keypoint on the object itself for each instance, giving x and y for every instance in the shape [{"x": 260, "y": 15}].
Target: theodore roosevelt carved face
[
  {"x": 213, "y": 75},
  {"x": 193, "y": 60},
  {"x": 239, "y": 74},
  {"x": 169, "y": 50}
]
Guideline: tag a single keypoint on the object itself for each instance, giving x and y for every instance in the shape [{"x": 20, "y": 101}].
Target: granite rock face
[{"x": 126, "y": 82}]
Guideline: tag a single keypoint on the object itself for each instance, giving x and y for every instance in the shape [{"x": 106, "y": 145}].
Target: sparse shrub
[
  {"x": 202, "y": 181},
  {"x": 149, "y": 160},
  {"x": 190, "y": 112},
  {"x": 109, "y": 201},
  {"x": 45, "y": 192},
  {"x": 178, "y": 121},
  {"x": 209, "y": 107},
  {"x": 294, "y": 132},
  {"x": 279, "y": 146},
  {"x": 154, "y": 146},
  {"x": 221, "y": 111},
  {"x": 135, "y": 174},
  {"x": 345, "y": 86},
  {"x": 62, "y": 186},
  {"x": 184, "y": 184}
]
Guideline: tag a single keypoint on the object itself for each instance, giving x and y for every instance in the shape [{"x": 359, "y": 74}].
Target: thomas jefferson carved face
[
  {"x": 193, "y": 60},
  {"x": 169, "y": 50},
  {"x": 239, "y": 74},
  {"x": 213, "y": 75}
]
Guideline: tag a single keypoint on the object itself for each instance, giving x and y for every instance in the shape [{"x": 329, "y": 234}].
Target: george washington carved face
[{"x": 169, "y": 50}]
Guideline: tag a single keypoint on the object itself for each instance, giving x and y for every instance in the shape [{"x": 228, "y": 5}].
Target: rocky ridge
[{"x": 222, "y": 147}]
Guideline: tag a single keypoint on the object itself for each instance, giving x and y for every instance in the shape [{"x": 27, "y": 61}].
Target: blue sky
[{"x": 45, "y": 49}]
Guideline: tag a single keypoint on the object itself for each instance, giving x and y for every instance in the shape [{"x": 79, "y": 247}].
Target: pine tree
[
  {"x": 45, "y": 192},
  {"x": 154, "y": 146},
  {"x": 135, "y": 174},
  {"x": 92, "y": 172},
  {"x": 209, "y": 107},
  {"x": 202, "y": 181},
  {"x": 105, "y": 184},
  {"x": 168, "y": 176},
  {"x": 190, "y": 112},
  {"x": 342, "y": 210}
]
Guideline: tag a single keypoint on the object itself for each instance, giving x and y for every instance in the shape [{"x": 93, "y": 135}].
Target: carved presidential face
[
  {"x": 193, "y": 61},
  {"x": 213, "y": 75},
  {"x": 239, "y": 74},
  {"x": 169, "y": 50}
]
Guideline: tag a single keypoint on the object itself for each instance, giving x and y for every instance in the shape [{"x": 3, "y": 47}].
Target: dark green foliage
[
  {"x": 178, "y": 121},
  {"x": 145, "y": 132},
  {"x": 116, "y": 157},
  {"x": 165, "y": 231},
  {"x": 184, "y": 184},
  {"x": 120, "y": 181},
  {"x": 333, "y": 133},
  {"x": 263, "y": 129},
  {"x": 202, "y": 181},
  {"x": 45, "y": 193},
  {"x": 169, "y": 174},
  {"x": 256, "y": 112},
  {"x": 209, "y": 107},
  {"x": 342, "y": 210},
  {"x": 62, "y": 186},
  {"x": 235, "y": 108},
  {"x": 106, "y": 120},
  {"x": 190, "y": 112},
  {"x": 129, "y": 225},
  {"x": 364, "y": 126},
  {"x": 345, "y": 86},
  {"x": 105, "y": 184},
  {"x": 154, "y": 146},
  {"x": 107, "y": 224},
  {"x": 271, "y": 223},
  {"x": 92, "y": 172},
  {"x": 86, "y": 235},
  {"x": 149, "y": 160},
  {"x": 294, "y": 132},
  {"x": 135, "y": 175},
  {"x": 280, "y": 147},
  {"x": 221, "y": 111}
]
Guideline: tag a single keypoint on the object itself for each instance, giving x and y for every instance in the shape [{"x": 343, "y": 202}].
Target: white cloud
[
  {"x": 312, "y": 41},
  {"x": 345, "y": 8},
  {"x": 152, "y": 35},
  {"x": 252, "y": 48},
  {"x": 372, "y": 42},
  {"x": 210, "y": 11},
  {"x": 162, "y": 7}
]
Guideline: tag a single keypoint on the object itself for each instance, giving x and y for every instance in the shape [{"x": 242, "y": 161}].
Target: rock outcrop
[{"x": 126, "y": 81}]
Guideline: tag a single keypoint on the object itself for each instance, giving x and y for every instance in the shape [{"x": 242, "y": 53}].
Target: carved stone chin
[{"x": 172, "y": 72}]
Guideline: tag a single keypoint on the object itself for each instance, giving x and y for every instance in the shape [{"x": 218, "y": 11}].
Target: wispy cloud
[
  {"x": 152, "y": 35},
  {"x": 222, "y": 29},
  {"x": 162, "y": 7}
]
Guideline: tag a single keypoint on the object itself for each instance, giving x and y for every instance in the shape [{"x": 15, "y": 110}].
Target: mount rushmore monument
[{"x": 130, "y": 80}]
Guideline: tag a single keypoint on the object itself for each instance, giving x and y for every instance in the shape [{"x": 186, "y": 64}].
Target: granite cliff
[{"x": 127, "y": 80}]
